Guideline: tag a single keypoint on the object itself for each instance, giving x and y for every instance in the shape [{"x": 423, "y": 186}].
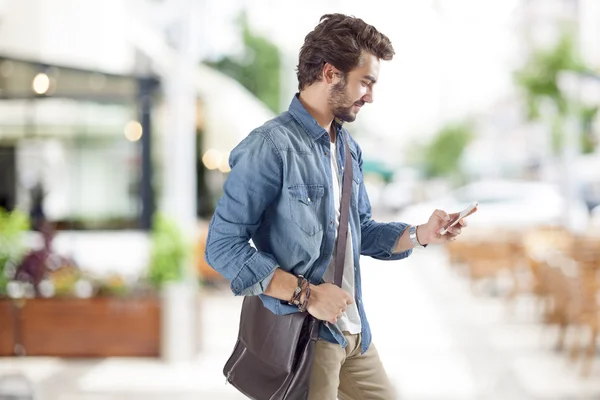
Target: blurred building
[{"x": 105, "y": 115}]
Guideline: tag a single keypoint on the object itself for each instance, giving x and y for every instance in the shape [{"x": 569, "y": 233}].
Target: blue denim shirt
[{"x": 279, "y": 194}]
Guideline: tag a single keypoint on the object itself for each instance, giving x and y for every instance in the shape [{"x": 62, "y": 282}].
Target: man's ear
[{"x": 331, "y": 74}]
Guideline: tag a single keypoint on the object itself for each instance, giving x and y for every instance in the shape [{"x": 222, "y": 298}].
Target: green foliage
[
  {"x": 441, "y": 157},
  {"x": 258, "y": 69},
  {"x": 12, "y": 227},
  {"x": 538, "y": 79},
  {"x": 539, "y": 76},
  {"x": 169, "y": 252}
]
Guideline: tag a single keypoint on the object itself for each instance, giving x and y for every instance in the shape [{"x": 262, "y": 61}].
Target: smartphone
[{"x": 463, "y": 214}]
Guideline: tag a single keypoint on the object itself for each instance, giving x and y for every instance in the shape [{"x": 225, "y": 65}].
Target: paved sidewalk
[{"x": 437, "y": 340}]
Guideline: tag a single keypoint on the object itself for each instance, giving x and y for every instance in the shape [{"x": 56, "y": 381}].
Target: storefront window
[{"x": 70, "y": 146}]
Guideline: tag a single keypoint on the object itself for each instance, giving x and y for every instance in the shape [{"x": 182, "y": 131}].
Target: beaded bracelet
[
  {"x": 295, "y": 300},
  {"x": 302, "y": 307}
]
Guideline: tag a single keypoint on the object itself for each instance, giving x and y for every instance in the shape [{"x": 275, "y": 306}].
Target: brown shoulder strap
[{"x": 342, "y": 238}]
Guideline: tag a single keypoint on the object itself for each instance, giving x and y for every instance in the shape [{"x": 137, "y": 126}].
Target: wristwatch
[{"x": 412, "y": 234}]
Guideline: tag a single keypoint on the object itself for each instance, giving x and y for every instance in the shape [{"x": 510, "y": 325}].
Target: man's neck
[{"x": 315, "y": 103}]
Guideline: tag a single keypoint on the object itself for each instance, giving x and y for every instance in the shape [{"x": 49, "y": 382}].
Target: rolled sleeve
[
  {"x": 254, "y": 181},
  {"x": 378, "y": 240},
  {"x": 254, "y": 277},
  {"x": 389, "y": 234}
]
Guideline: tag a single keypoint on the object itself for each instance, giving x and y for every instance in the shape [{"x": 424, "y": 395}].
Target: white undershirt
[{"x": 350, "y": 320}]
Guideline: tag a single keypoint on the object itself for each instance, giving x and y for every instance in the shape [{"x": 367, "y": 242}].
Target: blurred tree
[
  {"x": 539, "y": 76},
  {"x": 258, "y": 68},
  {"x": 538, "y": 79},
  {"x": 441, "y": 157}
]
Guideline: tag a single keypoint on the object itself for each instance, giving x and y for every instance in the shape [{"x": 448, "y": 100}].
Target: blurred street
[{"x": 439, "y": 339}]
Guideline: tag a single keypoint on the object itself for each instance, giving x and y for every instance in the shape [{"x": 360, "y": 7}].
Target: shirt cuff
[
  {"x": 388, "y": 238},
  {"x": 258, "y": 287},
  {"x": 254, "y": 277}
]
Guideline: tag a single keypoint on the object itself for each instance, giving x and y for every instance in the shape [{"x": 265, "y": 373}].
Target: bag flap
[{"x": 272, "y": 338}]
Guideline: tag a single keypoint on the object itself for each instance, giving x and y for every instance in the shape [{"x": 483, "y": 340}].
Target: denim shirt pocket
[
  {"x": 357, "y": 175},
  {"x": 307, "y": 207}
]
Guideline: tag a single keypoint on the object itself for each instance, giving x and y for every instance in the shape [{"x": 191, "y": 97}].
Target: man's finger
[
  {"x": 349, "y": 299},
  {"x": 454, "y": 215},
  {"x": 455, "y": 230},
  {"x": 443, "y": 215}
]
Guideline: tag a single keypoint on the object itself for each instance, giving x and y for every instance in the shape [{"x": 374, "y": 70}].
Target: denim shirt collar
[{"x": 307, "y": 121}]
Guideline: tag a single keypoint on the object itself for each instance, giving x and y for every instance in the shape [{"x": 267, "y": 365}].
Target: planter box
[
  {"x": 8, "y": 330},
  {"x": 96, "y": 327}
]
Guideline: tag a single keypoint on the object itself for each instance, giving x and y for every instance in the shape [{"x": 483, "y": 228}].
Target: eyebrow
[{"x": 369, "y": 77}]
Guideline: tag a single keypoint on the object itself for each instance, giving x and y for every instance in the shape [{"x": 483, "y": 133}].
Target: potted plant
[
  {"x": 168, "y": 252},
  {"x": 13, "y": 225},
  {"x": 169, "y": 259}
]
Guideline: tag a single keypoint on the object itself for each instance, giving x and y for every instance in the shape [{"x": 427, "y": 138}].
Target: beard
[{"x": 341, "y": 104}]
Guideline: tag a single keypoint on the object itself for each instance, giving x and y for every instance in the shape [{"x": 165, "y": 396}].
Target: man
[{"x": 283, "y": 192}]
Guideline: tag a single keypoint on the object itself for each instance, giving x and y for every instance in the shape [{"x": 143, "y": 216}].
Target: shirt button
[
  {"x": 326, "y": 153},
  {"x": 308, "y": 199},
  {"x": 330, "y": 222}
]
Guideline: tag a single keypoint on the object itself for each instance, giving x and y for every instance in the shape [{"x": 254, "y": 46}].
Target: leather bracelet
[
  {"x": 305, "y": 286},
  {"x": 295, "y": 299},
  {"x": 302, "y": 307}
]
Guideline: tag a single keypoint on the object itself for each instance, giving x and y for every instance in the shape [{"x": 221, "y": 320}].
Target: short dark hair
[{"x": 339, "y": 40}]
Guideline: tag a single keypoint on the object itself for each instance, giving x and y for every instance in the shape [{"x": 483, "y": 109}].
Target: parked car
[{"x": 503, "y": 203}]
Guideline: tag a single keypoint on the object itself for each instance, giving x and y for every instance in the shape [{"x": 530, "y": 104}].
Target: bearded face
[{"x": 343, "y": 105}]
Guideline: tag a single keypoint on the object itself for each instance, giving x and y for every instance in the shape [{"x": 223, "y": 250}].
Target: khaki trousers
[{"x": 347, "y": 374}]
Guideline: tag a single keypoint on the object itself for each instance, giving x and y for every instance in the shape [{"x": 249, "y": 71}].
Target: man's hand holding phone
[
  {"x": 455, "y": 218},
  {"x": 443, "y": 227}
]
